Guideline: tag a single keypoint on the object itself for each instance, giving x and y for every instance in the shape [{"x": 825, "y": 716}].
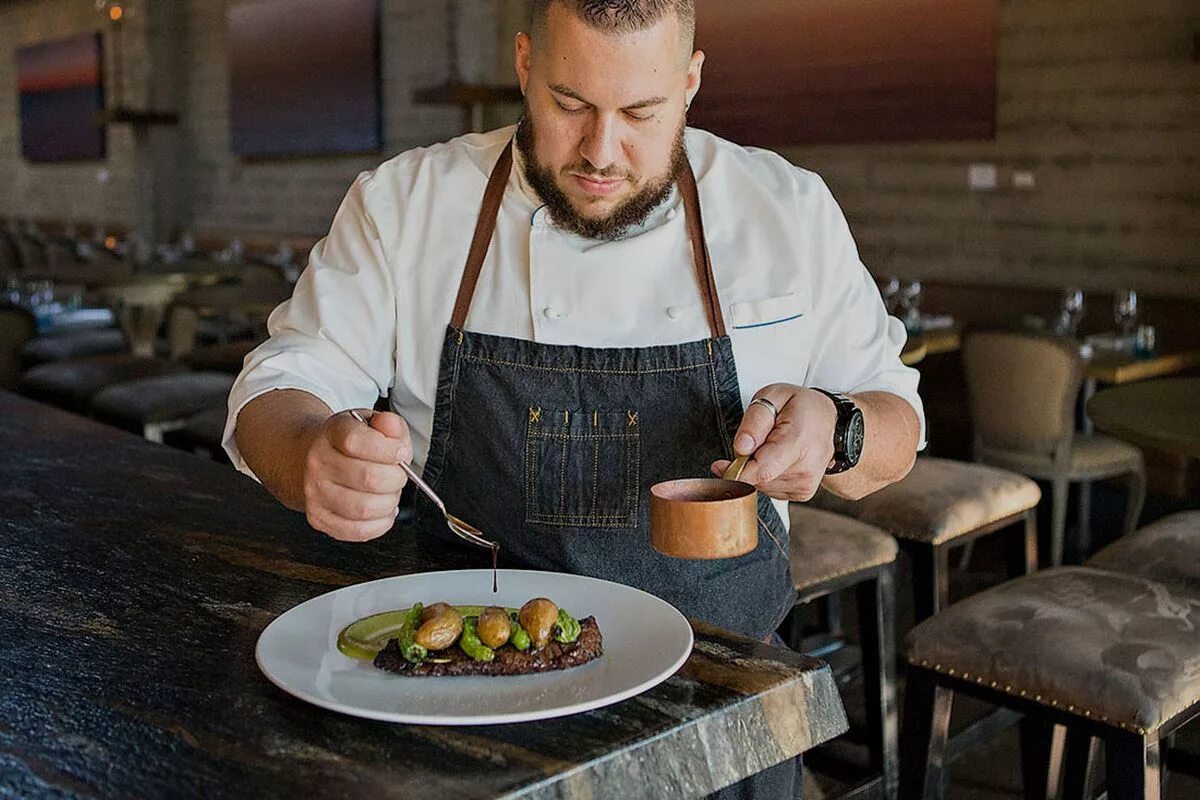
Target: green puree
[{"x": 364, "y": 638}]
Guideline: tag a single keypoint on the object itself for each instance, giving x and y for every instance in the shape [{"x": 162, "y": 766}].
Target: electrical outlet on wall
[
  {"x": 982, "y": 177},
  {"x": 1023, "y": 179}
]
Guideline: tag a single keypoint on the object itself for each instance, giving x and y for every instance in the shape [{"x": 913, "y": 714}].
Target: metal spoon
[{"x": 463, "y": 530}]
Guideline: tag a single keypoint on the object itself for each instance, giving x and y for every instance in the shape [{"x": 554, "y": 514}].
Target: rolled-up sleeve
[
  {"x": 859, "y": 344},
  {"x": 334, "y": 338}
]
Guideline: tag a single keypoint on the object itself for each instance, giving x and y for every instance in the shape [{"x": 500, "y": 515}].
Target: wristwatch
[{"x": 847, "y": 433}]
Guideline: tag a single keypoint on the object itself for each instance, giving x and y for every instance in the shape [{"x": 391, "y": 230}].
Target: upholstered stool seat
[
  {"x": 72, "y": 384},
  {"x": 1092, "y": 456},
  {"x": 941, "y": 500},
  {"x": 1103, "y": 653},
  {"x": 1120, "y": 649},
  {"x": 151, "y": 406},
  {"x": 73, "y": 345},
  {"x": 942, "y": 503},
  {"x": 221, "y": 357},
  {"x": 827, "y": 547},
  {"x": 204, "y": 430},
  {"x": 830, "y": 552},
  {"x": 1167, "y": 551}
]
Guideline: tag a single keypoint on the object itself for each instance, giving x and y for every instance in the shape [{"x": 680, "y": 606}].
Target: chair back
[
  {"x": 10, "y": 259},
  {"x": 17, "y": 326},
  {"x": 32, "y": 255},
  {"x": 1022, "y": 390}
]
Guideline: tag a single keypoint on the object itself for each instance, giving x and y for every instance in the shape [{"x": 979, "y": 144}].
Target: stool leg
[
  {"x": 1036, "y": 754},
  {"x": 1077, "y": 764},
  {"x": 931, "y": 579},
  {"x": 1135, "y": 499},
  {"x": 877, "y": 632},
  {"x": 831, "y": 614},
  {"x": 1058, "y": 519},
  {"x": 1022, "y": 546},
  {"x": 926, "y": 724},
  {"x": 1133, "y": 767}
]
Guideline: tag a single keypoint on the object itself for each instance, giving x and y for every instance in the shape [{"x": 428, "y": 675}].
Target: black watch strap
[{"x": 847, "y": 410}]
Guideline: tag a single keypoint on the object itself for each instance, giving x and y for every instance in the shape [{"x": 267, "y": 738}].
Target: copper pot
[{"x": 705, "y": 518}]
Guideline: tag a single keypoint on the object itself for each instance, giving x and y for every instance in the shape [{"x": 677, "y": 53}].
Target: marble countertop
[{"x": 135, "y": 580}]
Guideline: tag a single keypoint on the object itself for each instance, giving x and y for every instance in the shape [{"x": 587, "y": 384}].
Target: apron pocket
[{"x": 582, "y": 468}]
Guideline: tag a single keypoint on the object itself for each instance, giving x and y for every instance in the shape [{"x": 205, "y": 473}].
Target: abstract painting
[
  {"x": 61, "y": 89},
  {"x": 795, "y": 72},
  {"x": 304, "y": 77}
]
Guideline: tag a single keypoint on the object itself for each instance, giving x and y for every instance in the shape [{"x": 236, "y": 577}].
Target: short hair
[{"x": 622, "y": 16}]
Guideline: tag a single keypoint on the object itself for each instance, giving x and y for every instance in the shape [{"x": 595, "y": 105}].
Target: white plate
[{"x": 645, "y": 641}]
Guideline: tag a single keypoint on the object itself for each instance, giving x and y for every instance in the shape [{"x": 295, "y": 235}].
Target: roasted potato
[
  {"x": 538, "y": 618},
  {"x": 441, "y": 629},
  {"x": 494, "y": 627},
  {"x": 435, "y": 610}
]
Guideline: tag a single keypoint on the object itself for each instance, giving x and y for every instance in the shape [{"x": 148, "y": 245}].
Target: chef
[{"x": 564, "y": 313}]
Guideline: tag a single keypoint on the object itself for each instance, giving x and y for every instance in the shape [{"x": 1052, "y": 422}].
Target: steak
[{"x": 509, "y": 660}]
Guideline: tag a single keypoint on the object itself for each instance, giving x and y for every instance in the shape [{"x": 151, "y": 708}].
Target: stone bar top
[{"x": 135, "y": 580}]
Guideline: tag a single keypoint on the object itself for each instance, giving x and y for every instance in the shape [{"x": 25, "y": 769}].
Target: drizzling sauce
[{"x": 495, "y": 563}]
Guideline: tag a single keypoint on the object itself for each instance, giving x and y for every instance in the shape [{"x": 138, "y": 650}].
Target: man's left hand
[{"x": 790, "y": 451}]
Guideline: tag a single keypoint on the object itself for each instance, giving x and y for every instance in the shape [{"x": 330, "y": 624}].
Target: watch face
[{"x": 854, "y": 438}]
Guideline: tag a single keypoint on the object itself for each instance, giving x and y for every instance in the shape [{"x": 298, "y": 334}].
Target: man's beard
[{"x": 630, "y": 213}]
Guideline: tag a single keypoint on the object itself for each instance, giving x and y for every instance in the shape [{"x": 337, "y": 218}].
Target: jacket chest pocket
[{"x": 582, "y": 468}]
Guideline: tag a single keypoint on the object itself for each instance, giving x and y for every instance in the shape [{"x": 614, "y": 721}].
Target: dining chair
[
  {"x": 828, "y": 554},
  {"x": 10, "y": 259},
  {"x": 1022, "y": 391},
  {"x": 17, "y": 326}
]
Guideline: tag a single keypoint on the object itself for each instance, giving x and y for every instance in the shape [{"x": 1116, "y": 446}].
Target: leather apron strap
[{"x": 485, "y": 227}]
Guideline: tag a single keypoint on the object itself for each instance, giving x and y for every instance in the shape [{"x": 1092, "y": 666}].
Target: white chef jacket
[{"x": 368, "y": 315}]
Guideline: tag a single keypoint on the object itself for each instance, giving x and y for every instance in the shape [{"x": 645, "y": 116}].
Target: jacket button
[
  {"x": 674, "y": 312},
  {"x": 553, "y": 313}
]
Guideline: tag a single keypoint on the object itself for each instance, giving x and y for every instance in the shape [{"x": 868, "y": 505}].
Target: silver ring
[{"x": 765, "y": 402}]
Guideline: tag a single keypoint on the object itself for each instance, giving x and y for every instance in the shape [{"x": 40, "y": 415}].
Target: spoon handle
[
  {"x": 734, "y": 471},
  {"x": 409, "y": 471}
]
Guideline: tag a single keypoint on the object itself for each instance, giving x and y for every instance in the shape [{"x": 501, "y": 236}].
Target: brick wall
[
  {"x": 92, "y": 191},
  {"x": 1097, "y": 98},
  {"x": 1100, "y": 100},
  {"x": 198, "y": 182}
]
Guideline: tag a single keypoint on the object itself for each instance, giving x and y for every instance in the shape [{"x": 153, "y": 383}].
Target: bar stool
[
  {"x": 941, "y": 504},
  {"x": 70, "y": 345},
  {"x": 1166, "y": 551},
  {"x": 153, "y": 406},
  {"x": 72, "y": 384},
  {"x": 228, "y": 357},
  {"x": 830, "y": 552},
  {"x": 203, "y": 431},
  {"x": 1107, "y": 655}
]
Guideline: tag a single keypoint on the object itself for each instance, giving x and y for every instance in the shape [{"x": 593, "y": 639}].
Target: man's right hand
[{"x": 351, "y": 480}]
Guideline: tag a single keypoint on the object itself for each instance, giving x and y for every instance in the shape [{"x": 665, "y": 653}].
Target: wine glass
[
  {"x": 911, "y": 296},
  {"x": 891, "y": 292},
  {"x": 1125, "y": 310},
  {"x": 1070, "y": 312}
]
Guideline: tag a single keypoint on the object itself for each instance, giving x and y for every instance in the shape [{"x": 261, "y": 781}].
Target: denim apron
[{"x": 552, "y": 449}]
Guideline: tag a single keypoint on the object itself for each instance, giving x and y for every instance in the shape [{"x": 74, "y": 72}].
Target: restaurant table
[
  {"x": 930, "y": 343},
  {"x": 1163, "y": 414},
  {"x": 941, "y": 340},
  {"x": 141, "y": 298},
  {"x": 135, "y": 580},
  {"x": 1117, "y": 369}
]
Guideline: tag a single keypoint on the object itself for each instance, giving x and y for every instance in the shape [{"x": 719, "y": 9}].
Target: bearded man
[{"x": 640, "y": 301}]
